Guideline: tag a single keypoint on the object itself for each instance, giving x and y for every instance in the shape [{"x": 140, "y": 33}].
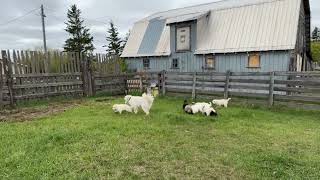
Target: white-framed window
[
  {"x": 183, "y": 42},
  {"x": 254, "y": 60},
  {"x": 146, "y": 63},
  {"x": 175, "y": 63},
  {"x": 210, "y": 62}
]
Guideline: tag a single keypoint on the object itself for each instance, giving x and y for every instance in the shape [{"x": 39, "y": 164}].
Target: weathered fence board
[
  {"x": 271, "y": 86},
  {"x": 33, "y": 74},
  {"x": 1, "y": 84}
]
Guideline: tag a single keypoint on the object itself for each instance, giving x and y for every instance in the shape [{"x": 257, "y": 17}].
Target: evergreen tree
[
  {"x": 114, "y": 47},
  {"x": 315, "y": 33},
  {"x": 125, "y": 40},
  {"x": 80, "y": 39}
]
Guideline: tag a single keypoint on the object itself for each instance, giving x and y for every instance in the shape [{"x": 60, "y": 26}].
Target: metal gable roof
[
  {"x": 187, "y": 17},
  {"x": 231, "y": 26}
]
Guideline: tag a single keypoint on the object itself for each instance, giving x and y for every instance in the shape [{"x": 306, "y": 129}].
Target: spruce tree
[
  {"x": 315, "y": 34},
  {"x": 124, "y": 42},
  {"x": 114, "y": 47},
  {"x": 80, "y": 39}
]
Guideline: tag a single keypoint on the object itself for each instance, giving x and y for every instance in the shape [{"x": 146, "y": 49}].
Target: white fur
[
  {"x": 208, "y": 110},
  {"x": 205, "y": 108},
  {"x": 122, "y": 107},
  {"x": 144, "y": 102},
  {"x": 221, "y": 102},
  {"x": 198, "y": 107}
]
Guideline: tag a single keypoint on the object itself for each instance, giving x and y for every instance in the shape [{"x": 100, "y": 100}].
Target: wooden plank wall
[
  {"x": 110, "y": 84},
  {"x": 26, "y": 75},
  {"x": 106, "y": 64},
  {"x": 270, "y": 86},
  {"x": 125, "y": 83}
]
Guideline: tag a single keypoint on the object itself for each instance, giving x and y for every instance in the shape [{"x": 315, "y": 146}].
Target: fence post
[
  {"x": 226, "y": 87},
  {"x": 126, "y": 88},
  {"x": 140, "y": 83},
  {"x": 1, "y": 85},
  {"x": 271, "y": 89},
  {"x": 194, "y": 86},
  {"x": 8, "y": 72},
  {"x": 84, "y": 69},
  {"x": 163, "y": 82},
  {"x": 92, "y": 81}
]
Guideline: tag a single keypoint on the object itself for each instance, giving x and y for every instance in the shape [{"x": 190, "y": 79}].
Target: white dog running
[
  {"x": 122, "y": 107},
  {"x": 221, "y": 102},
  {"x": 144, "y": 102}
]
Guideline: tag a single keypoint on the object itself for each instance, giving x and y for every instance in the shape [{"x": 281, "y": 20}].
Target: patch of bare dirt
[{"x": 33, "y": 113}]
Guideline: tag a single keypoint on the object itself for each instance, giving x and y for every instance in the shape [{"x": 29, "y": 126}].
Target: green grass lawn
[{"x": 90, "y": 141}]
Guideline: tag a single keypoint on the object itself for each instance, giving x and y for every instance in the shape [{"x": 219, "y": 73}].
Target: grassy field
[{"x": 90, "y": 141}]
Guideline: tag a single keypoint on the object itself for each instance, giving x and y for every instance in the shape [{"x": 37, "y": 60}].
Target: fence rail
[{"x": 271, "y": 86}]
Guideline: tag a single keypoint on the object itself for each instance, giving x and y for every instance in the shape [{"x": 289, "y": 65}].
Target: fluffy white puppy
[
  {"x": 122, "y": 107},
  {"x": 204, "y": 108},
  {"x": 221, "y": 102},
  {"x": 144, "y": 102}
]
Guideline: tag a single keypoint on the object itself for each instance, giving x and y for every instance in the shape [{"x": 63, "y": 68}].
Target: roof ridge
[{"x": 216, "y": 2}]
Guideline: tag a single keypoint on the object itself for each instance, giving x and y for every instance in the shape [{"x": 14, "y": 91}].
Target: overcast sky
[{"x": 25, "y": 33}]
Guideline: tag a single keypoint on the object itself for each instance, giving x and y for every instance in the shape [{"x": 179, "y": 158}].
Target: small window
[
  {"x": 146, "y": 63},
  {"x": 254, "y": 61},
  {"x": 175, "y": 64},
  {"x": 183, "y": 42},
  {"x": 210, "y": 62}
]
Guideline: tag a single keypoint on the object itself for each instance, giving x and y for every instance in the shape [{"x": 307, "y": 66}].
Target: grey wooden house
[{"x": 236, "y": 35}]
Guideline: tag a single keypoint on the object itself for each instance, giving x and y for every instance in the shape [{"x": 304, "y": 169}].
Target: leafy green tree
[
  {"x": 114, "y": 47},
  {"x": 80, "y": 39},
  {"x": 315, "y": 49},
  {"x": 315, "y": 33}
]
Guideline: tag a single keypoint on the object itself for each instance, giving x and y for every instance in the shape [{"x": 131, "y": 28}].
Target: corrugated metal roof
[
  {"x": 268, "y": 26},
  {"x": 187, "y": 17},
  {"x": 232, "y": 26}
]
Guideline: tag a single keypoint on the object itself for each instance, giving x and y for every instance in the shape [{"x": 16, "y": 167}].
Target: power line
[
  {"x": 17, "y": 18},
  {"x": 88, "y": 19}
]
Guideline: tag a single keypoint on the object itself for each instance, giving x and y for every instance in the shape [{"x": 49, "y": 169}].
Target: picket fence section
[{"x": 26, "y": 75}]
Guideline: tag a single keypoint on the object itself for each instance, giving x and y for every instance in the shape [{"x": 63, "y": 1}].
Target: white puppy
[
  {"x": 205, "y": 108},
  {"x": 122, "y": 107},
  {"x": 144, "y": 102},
  {"x": 221, "y": 102}
]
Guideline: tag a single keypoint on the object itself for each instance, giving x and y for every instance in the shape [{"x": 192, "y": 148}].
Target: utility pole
[{"x": 43, "y": 30}]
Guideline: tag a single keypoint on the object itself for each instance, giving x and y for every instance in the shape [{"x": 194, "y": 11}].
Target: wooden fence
[
  {"x": 270, "y": 86},
  {"x": 26, "y": 75}
]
